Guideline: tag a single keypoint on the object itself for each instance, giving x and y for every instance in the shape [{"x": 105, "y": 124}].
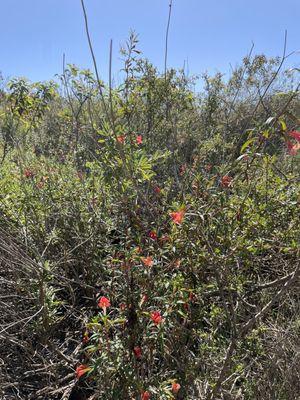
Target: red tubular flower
[
  {"x": 175, "y": 387},
  {"x": 121, "y": 139},
  {"x": 295, "y": 135},
  {"x": 85, "y": 338},
  {"x": 192, "y": 297},
  {"x": 144, "y": 299},
  {"x": 156, "y": 317},
  {"x": 103, "y": 302},
  {"x": 226, "y": 181},
  {"x": 145, "y": 395},
  {"x": 137, "y": 352},
  {"x": 28, "y": 173},
  {"x": 148, "y": 261},
  {"x": 152, "y": 235},
  {"x": 139, "y": 139},
  {"x": 157, "y": 189},
  {"x": 177, "y": 216},
  {"x": 81, "y": 370},
  {"x": 292, "y": 148}
]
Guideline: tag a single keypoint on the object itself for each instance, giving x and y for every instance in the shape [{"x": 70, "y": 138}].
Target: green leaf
[
  {"x": 247, "y": 144},
  {"x": 283, "y": 125}
]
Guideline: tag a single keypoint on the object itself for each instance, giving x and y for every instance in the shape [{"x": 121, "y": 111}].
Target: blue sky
[{"x": 210, "y": 34}]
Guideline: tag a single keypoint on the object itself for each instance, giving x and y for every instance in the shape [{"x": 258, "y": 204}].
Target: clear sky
[{"x": 210, "y": 34}]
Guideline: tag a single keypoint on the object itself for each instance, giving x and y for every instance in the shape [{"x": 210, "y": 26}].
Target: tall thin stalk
[{"x": 167, "y": 36}]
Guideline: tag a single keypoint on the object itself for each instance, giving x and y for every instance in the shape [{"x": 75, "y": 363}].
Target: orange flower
[
  {"x": 226, "y": 181},
  {"x": 148, "y": 261},
  {"x": 145, "y": 395},
  {"x": 121, "y": 139},
  {"x": 103, "y": 303},
  {"x": 175, "y": 387},
  {"x": 81, "y": 370},
  {"x": 139, "y": 139},
  {"x": 156, "y": 317},
  {"x": 177, "y": 216},
  {"x": 137, "y": 352}
]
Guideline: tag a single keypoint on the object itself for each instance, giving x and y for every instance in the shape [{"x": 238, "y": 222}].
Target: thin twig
[
  {"x": 94, "y": 61},
  {"x": 167, "y": 36}
]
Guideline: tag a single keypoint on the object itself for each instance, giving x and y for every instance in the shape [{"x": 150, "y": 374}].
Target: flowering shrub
[{"x": 163, "y": 254}]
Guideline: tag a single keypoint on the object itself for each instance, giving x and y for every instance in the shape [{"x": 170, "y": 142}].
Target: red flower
[
  {"x": 122, "y": 306},
  {"x": 81, "y": 370},
  {"x": 121, "y": 139},
  {"x": 177, "y": 216},
  {"x": 292, "y": 148},
  {"x": 144, "y": 299},
  {"x": 148, "y": 261},
  {"x": 295, "y": 135},
  {"x": 137, "y": 352},
  {"x": 192, "y": 297},
  {"x": 156, "y": 317},
  {"x": 226, "y": 181},
  {"x": 145, "y": 395},
  {"x": 175, "y": 387},
  {"x": 157, "y": 189},
  {"x": 103, "y": 303},
  {"x": 28, "y": 173},
  {"x": 85, "y": 337},
  {"x": 139, "y": 139},
  {"x": 153, "y": 235}
]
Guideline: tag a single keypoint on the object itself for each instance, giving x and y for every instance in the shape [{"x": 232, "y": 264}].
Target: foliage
[{"x": 178, "y": 211}]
